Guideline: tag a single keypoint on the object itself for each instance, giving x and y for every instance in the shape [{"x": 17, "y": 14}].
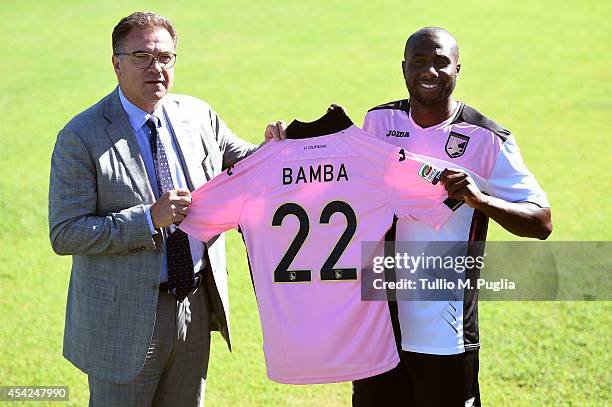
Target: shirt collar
[
  {"x": 136, "y": 116},
  {"x": 438, "y": 126}
]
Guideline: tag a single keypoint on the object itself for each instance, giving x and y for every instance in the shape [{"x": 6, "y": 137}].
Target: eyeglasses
[{"x": 143, "y": 60}]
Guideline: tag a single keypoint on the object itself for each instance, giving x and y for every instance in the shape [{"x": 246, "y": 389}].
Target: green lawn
[{"x": 539, "y": 68}]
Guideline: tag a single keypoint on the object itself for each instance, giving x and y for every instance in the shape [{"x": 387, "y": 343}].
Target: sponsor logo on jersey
[
  {"x": 397, "y": 133},
  {"x": 429, "y": 173},
  {"x": 456, "y": 144}
]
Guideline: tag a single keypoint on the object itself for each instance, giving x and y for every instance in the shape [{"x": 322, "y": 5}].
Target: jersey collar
[
  {"x": 438, "y": 126},
  {"x": 334, "y": 121}
]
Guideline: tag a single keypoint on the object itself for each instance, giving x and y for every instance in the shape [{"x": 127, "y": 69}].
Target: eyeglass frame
[{"x": 154, "y": 59}]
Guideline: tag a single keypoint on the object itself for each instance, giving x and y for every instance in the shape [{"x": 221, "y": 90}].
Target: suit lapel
[
  {"x": 124, "y": 141},
  {"x": 188, "y": 143}
]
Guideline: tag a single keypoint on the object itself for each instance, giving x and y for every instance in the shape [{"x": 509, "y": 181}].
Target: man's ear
[
  {"x": 404, "y": 69},
  {"x": 458, "y": 69},
  {"x": 116, "y": 65}
]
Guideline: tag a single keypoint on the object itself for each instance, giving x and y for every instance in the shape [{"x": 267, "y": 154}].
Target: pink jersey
[{"x": 303, "y": 206}]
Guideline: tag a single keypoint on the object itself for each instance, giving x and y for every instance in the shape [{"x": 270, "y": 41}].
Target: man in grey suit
[{"x": 121, "y": 176}]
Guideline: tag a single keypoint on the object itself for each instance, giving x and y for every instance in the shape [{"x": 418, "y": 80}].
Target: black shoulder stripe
[
  {"x": 395, "y": 105},
  {"x": 472, "y": 116}
]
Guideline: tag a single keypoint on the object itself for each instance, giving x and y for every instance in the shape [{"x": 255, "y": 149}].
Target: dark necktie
[{"x": 181, "y": 279}]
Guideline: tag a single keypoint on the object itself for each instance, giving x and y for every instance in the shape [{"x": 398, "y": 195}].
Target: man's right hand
[{"x": 171, "y": 208}]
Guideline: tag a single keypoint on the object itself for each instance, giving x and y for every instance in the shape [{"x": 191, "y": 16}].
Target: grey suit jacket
[{"x": 97, "y": 194}]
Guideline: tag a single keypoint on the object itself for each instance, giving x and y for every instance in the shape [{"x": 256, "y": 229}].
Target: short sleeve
[
  {"x": 216, "y": 206},
  {"x": 368, "y": 124},
  {"x": 510, "y": 179},
  {"x": 413, "y": 189},
  {"x": 373, "y": 126}
]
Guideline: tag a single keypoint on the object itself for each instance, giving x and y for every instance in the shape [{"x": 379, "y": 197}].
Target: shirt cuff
[{"x": 147, "y": 210}]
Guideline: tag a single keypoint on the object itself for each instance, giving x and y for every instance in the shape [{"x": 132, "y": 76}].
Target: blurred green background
[{"x": 542, "y": 69}]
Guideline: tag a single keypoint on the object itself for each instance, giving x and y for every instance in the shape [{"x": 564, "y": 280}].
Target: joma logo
[{"x": 395, "y": 133}]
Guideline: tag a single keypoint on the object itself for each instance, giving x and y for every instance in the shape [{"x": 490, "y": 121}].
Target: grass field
[{"x": 542, "y": 69}]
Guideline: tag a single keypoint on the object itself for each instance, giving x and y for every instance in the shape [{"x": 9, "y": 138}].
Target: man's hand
[
  {"x": 460, "y": 185},
  {"x": 276, "y": 131},
  {"x": 171, "y": 208},
  {"x": 520, "y": 218}
]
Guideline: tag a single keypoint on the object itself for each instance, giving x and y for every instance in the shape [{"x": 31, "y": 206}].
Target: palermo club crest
[{"x": 456, "y": 144}]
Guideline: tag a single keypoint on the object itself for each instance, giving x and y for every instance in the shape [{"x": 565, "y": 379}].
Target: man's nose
[
  {"x": 430, "y": 72},
  {"x": 156, "y": 65}
]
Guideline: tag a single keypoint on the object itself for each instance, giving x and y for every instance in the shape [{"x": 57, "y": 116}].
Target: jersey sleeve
[
  {"x": 370, "y": 125},
  {"x": 413, "y": 189},
  {"x": 510, "y": 179},
  {"x": 216, "y": 206}
]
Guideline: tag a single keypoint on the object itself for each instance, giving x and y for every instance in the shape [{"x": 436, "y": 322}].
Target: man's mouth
[
  {"x": 428, "y": 85},
  {"x": 155, "y": 81}
]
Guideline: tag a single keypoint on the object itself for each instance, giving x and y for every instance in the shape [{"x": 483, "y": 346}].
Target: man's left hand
[
  {"x": 460, "y": 185},
  {"x": 276, "y": 131}
]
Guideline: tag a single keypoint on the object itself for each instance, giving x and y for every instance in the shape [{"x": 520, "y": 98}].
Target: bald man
[{"x": 439, "y": 339}]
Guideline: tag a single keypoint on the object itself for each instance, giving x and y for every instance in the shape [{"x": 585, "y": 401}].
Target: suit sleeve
[
  {"x": 74, "y": 226},
  {"x": 409, "y": 183},
  {"x": 217, "y": 206},
  {"x": 232, "y": 147}
]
